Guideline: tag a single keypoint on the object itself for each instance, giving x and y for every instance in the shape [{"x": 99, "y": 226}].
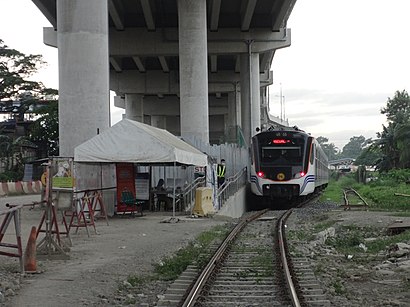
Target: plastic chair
[{"x": 131, "y": 204}]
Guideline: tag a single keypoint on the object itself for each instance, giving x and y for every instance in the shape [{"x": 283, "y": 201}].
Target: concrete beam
[
  {"x": 280, "y": 15},
  {"x": 149, "y": 18},
  {"x": 119, "y": 102},
  {"x": 156, "y": 82},
  {"x": 214, "y": 63},
  {"x": 116, "y": 64},
  {"x": 238, "y": 64},
  {"x": 266, "y": 60},
  {"x": 49, "y": 11},
  {"x": 50, "y": 37},
  {"x": 116, "y": 13},
  {"x": 247, "y": 14},
  {"x": 165, "y": 43},
  {"x": 214, "y": 13},
  {"x": 164, "y": 64},
  {"x": 155, "y": 44},
  {"x": 138, "y": 62},
  {"x": 169, "y": 105},
  {"x": 151, "y": 82}
]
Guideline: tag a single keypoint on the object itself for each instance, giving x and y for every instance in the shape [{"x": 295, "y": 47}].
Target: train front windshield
[{"x": 282, "y": 151}]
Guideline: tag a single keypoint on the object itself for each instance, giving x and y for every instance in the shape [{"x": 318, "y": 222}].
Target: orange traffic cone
[{"x": 30, "y": 264}]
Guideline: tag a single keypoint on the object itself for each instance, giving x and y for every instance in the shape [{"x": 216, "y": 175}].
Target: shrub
[
  {"x": 397, "y": 176},
  {"x": 10, "y": 176}
]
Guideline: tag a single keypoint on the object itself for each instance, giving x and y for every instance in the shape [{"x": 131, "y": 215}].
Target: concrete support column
[
  {"x": 159, "y": 121},
  {"x": 82, "y": 41},
  {"x": 134, "y": 107},
  {"x": 255, "y": 94},
  {"x": 264, "y": 108},
  {"x": 245, "y": 98},
  {"x": 230, "y": 123},
  {"x": 238, "y": 104},
  {"x": 193, "y": 69}
]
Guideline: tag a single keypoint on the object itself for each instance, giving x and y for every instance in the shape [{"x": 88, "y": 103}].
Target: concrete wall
[
  {"x": 235, "y": 206},
  {"x": 20, "y": 187}
]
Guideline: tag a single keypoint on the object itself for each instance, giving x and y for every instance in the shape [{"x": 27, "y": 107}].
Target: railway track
[
  {"x": 352, "y": 199},
  {"x": 250, "y": 268}
]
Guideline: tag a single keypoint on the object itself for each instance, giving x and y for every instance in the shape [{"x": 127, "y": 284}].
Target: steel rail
[
  {"x": 195, "y": 291},
  {"x": 346, "y": 198},
  {"x": 285, "y": 265}
]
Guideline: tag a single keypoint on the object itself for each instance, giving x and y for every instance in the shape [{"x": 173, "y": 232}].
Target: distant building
[{"x": 342, "y": 165}]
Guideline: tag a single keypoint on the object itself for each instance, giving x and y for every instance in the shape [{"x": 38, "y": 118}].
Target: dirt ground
[
  {"x": 99, "y": 263},
  {"x": 360, "y": 278}
]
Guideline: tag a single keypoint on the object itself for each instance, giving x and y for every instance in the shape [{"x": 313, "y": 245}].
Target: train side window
[{"x": 312, "y": 154}]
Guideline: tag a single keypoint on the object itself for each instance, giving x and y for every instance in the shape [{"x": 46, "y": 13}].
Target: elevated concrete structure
[{"x": 194, "y": 67}]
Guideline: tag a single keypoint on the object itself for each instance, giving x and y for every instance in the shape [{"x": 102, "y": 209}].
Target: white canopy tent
[{"x": 134, "y": 142}]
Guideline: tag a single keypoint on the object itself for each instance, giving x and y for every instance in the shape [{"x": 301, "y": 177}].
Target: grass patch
[
  {"x": 383, "y": 243},
  {"x": 323, "y": 225},
  {"x": 339, "y": 287},
  {"x": 402, "y": 214},
  {"x": 300, "y": 235},
  {"x": 407, "y": 284},
  {"x": 332, "y": 193},
  {"x": 379, "y": 194},
  {"x": 137, "y": 280},
  {"x": 320, "y": 268},
  {"x": 264, "y": 259},
  {"x": 169, "y": 268},
  {"x": 349, "y": 239}
]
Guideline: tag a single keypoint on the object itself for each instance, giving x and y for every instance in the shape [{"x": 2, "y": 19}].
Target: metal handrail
[
  {"x": 188, "y": 194},
  {"x": 231, "y": 186}
]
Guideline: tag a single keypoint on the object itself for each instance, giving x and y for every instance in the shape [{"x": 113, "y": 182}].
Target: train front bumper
[{"x": 280, "y": 190}]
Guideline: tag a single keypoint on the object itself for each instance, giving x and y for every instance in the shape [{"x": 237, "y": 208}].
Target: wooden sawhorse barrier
[
  {"x": 12, "y": 213},
  {"x": 84, "y": 210},
  {"x": 50, "y": 218},
  {"x": 82, "y": 215},
  {"x": 97, "y": 204}
]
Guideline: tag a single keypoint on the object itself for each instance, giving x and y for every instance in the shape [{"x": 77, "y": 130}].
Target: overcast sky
[{"x": 347, "y": 57}]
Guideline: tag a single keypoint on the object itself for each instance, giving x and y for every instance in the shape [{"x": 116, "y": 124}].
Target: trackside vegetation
[
  {"x": 386, "y": 191},
  {"x": 170, "y": 267}
]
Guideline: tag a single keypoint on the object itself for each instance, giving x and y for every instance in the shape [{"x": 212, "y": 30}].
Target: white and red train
[{"x": 287, "y": 163}]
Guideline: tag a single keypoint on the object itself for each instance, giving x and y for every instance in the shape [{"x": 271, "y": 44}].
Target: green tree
[
  {"x": 6, "y": 150},
  {"x": 394, "y": 141},
  {"x": 44, "y": 130},
  {"x": 369, "y": 156},
  {"x": 355, "y": 147},
  {"x": 11, "y": 155},
  {"x": 330, "y": 149},
  {"x": 402, "y": 138},
  {"x": 16, "y": 69},
  {"x": 397, "y": 109}
]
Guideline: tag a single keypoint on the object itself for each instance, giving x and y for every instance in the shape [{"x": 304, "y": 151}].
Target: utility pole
[{"x": 282, "y": 104}]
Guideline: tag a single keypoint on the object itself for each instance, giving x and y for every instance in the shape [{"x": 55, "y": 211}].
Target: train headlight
[
  {"x": 261, "y": 174},
  {"x": 299, "y": 175}
]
